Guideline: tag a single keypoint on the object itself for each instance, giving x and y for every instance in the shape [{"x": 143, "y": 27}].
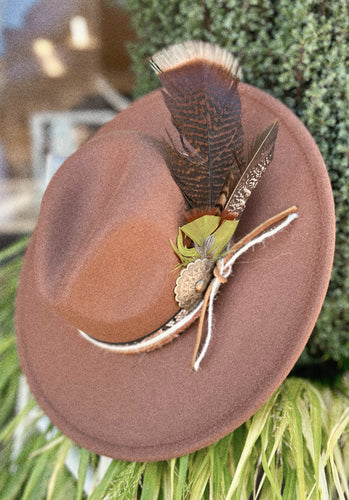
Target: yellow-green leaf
[{"x": 198, "y": 231}]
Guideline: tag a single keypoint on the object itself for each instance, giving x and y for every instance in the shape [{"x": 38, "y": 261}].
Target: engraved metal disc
[{"x": 192, "y": 283}]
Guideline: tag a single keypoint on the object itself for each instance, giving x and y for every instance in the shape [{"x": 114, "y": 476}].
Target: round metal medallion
[{"x": 192, "y": 283}]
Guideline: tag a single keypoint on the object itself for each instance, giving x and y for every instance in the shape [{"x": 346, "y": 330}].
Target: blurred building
[
  {"x": 51, "y": 53},
  {"x": 64, "y": 69}
]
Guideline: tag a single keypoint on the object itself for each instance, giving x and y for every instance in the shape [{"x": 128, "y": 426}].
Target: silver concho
[{"x": 192, "y": 283}]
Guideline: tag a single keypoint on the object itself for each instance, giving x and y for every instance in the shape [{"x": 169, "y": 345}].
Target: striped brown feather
[{"x": 200, "y": 91}]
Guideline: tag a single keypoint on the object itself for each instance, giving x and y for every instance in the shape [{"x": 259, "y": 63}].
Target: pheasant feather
[
  {"x": 235, "y": 192},
  {"x": 200, "y": 90}
]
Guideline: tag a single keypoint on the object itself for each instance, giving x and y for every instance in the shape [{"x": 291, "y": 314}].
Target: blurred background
[{"x": 64, "y": 71}]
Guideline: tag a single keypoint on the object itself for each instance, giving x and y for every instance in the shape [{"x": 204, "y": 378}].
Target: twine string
[{"x": 223, "y": 270}]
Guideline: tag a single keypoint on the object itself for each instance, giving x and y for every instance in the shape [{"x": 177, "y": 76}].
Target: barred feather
[
  {"x": 200, "y": 90},
  {"x": 234, "y": 196}
]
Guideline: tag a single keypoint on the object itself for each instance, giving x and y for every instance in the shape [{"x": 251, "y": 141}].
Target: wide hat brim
[{"x": 150, "y": 406}]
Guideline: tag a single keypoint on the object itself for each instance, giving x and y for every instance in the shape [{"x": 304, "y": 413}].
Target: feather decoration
[
  {"x": 200, "y": 90},
  {"x": 235, "y": 192}
]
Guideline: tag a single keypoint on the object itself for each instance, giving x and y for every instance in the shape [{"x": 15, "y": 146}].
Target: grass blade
[
  {"x": 257, "y": 425},
  {"x": 182, "y": 473},
  {"x": 105, "y": 483},
  {"x": 83, "y": 464},
  {"x": 35, "y": 477},
  {"x": 59, "y": 464},
  {"x": 151, "y": 481},
  {"x": 8, "y": 431}
]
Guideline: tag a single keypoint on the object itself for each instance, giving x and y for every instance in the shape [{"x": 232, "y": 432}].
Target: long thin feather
[
  {"x": 200, "y": 90},
  {"x": 234, "y": 195}
]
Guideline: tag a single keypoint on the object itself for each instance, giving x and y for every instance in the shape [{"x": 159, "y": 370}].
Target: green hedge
[{"x": 298, "y": 51}]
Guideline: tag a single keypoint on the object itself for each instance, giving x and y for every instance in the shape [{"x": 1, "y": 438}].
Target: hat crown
[{"x": 102, "y": 242}]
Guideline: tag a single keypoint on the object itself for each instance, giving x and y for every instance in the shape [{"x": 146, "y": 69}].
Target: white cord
[{"x": 225, "y": 271}]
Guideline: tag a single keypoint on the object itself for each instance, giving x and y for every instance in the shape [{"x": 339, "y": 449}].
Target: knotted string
[{"x": 224, "y": 268}]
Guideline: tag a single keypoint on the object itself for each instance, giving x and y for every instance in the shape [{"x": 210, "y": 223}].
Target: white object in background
[
  {"x": 111, "y": 95},
  {"x": 53, "y": 162},
  {"x": 23, "y": 397},
  {"x": 80, "y": 36},
  {"x": 103, "y": 465},
  {"x": 51, "y": 64},
  {"x": 56, "y": 133},
  {"x": 19, "y": 205}
]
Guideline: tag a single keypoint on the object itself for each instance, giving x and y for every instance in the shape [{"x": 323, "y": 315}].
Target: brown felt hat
[{"x": 100, "y": 261}]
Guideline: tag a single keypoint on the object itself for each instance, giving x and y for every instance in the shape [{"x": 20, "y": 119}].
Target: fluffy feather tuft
[{"x": 187, "y": 52}]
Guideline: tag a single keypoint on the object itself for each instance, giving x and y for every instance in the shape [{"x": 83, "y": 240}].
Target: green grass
[{"x": 295, "y": 446}]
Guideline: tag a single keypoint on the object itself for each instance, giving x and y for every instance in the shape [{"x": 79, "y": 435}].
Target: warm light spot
[
  {"x": 43, "y": 47},
  {"x": 49, "y": 60},
  {"x": 79, "y": 33}
]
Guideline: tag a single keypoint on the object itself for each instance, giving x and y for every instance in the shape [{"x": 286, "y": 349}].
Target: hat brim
[{"x": 150, "y": 406}]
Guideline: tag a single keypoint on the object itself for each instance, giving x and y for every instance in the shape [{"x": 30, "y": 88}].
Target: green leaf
[
  {"x": 200, "y": 481},
  {"x": 340, "y": 475},
  {"x": 311, "y": 428},
  {"x": 182, "y": 473},
  {"x": 36, "y": 475},
  {"x": 151, "y": 481},
  {"x": 185, "y": 254},
  {"x": 7, "y": 432},
  {"x": 52, "y": 444},
  {"x": 290, "y": 484},
  {"x": 297, "y": 444},
  {"x": 59, "y": 464},
  {"x": 126, "y": 482},
  {"x": 12, "y": 488},
  {"x": 13, "y": 251},
  {"x": 257, "y": 424},
  {"x": 83, "y": 465},
  {"x": 6, "y": 344},
  {"x": 198, "y": 231}
]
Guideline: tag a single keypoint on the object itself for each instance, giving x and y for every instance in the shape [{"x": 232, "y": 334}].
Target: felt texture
[
  {"x": 100, "y": 260},
  {"x": 103, "y": 257}
]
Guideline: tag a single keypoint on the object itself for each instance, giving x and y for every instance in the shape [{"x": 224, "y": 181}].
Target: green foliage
[
  {"x": 298, "y": 51},
  {"x": 10, "y": 263},
  {"x": 297, "y": 442},
  {"x": 200, "y": 231}
]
